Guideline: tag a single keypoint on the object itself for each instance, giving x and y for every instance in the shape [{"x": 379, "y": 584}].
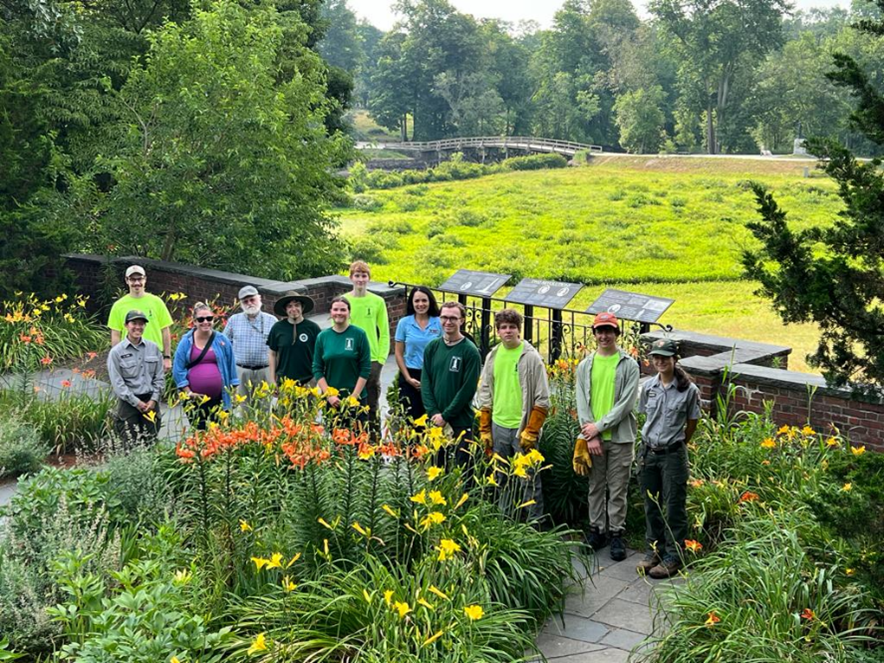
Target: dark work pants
[
  {"x": 410, "y": 397},
  {"x": 373, "y": 387},
  {"x": 132, "y": 427},
  {"x": 664, "y": 481}
]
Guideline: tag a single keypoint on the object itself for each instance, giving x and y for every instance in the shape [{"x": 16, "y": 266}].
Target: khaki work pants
[{"x": 609, "y": 478}]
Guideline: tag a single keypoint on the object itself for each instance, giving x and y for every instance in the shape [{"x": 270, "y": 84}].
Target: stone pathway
[{"x": 610, "y": 620}]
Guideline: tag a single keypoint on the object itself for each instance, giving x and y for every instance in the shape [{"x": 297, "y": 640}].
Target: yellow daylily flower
[
  {"x": 447, "y": 548},
  {"x": 438, "y": 592},
  {"x": 402, "y": 608},
  {"x": 182, "y": 576},
  {"x": 244, "y": 526},
  {"x": 150, "y": 415},
  {"x": 858, "y": 451},
  {"x": 260, "y": 562},
  {"x": 360, "y": 529},
  {"x": 461, "y": 501},
  {"x": 474, "y": 612},
  {"x": 847, "y": 487},
  {"x": 833, "y": 442},
  {"x": 426, "y": 604},
  {"x": 390, "y": 511},
  {"x": 432, "y": 638},
  {"x": 293, "y": 560},
  {"x": 526, "y": 504},
  {"x": 420, "y": 498},
  {"x": 288, "y": 585},
  {"x": 366, "y": 596},
  {"x": 388, "y": 597},
  {"x": 768, "y": 443},
  {"x": 421, "y": 421},
  {"x": 436, "y": 498},
  {"x": 275, "y": 561},
  {"x": 432, "y": 518},
  {"x": 434, "y": 472},
  {"x": 520, "y": 472},
  {"x": 258, "y": 644},
  {"x": 491, "y": 480}
]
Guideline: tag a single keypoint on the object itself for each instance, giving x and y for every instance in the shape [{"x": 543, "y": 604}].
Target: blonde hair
[{"x": 359, "y": 266}]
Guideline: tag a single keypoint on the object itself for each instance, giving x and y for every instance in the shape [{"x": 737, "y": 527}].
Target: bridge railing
[{"x": 515, "y": 142}]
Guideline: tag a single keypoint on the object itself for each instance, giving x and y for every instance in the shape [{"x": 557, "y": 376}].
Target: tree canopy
[{"x": 834, "y": 275}]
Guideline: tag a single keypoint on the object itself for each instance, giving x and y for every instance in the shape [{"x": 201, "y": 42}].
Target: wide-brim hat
[{"x": 292, "y": 296}]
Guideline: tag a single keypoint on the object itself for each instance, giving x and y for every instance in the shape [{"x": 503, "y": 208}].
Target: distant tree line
[{"x": 719, "y": 76}]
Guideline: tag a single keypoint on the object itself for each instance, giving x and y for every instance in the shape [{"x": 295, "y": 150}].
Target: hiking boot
[
  {"x": 595, "y": 539},
  {"x": 651, "y": 559},
  {"x": 618, "y": 548},
  {"x": 667, "y": 568}
]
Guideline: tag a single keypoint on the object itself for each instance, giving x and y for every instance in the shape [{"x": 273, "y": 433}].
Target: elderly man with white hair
[{"x": 248, "y": 332}]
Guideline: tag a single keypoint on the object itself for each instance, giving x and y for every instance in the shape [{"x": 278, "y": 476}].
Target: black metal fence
[{"x": 554, "y": 332}]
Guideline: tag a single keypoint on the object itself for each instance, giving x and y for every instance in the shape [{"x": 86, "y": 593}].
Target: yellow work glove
[
  {"x": 582, "y": 460},
  {"x": 528, "y": 438},
  {"x": 485, "y": 430}
]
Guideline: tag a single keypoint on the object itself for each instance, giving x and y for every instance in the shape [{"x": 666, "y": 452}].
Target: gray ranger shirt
[
  {"x": 667, "y": 410},
  {"x": 136, "y": 369}
]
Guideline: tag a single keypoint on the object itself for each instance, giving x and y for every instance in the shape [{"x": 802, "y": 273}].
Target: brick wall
[{"x": 219, "y": 287}]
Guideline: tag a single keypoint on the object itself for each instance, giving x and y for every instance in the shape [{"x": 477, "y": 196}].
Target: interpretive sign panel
[
  {"x": 550, "y": 294},
  {"x": 631, "y": 305},
  {"x": 478, "y": 284}
]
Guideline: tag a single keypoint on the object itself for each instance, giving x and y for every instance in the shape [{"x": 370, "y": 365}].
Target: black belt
[
  {"x": 662, "y": 451},
  {"x": 252, "y": 368}
]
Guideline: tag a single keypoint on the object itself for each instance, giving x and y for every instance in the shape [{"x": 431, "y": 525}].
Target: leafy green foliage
[{"x": 21, "y": 448}]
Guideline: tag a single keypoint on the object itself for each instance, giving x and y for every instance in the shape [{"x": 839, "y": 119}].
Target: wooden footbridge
[{"x": 435, "y": 149}]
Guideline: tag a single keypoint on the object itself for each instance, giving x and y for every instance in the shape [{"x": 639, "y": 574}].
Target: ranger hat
[
  {"x": 605, "y": 319},
  {"x": 292, "y": 296},
  {"x": 136, "y": 315},
  {"x": 247, "y": 291},
  {"x": 135, "y": 269},
  {"x": 664, "y": 347}
]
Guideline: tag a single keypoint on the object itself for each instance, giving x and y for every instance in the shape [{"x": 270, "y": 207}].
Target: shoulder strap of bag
[{"x": 202, "y": 354}]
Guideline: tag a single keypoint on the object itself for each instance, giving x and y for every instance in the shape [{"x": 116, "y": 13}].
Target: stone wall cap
[
  {"x": 784, "y": 379},
  {"x": 720, "y": 343}
]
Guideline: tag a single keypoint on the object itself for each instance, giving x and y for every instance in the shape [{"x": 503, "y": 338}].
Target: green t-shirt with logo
[
  {"x": 507, "y": 398},
  {"x": 153, "y": 307},
  {"x": 604, "y": 370},
  {"x": 449, "y": 380},
  {"x": 342, "y": 358}
]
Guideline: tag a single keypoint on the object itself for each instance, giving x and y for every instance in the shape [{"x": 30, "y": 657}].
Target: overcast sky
[{"x": 378, "y": 11}]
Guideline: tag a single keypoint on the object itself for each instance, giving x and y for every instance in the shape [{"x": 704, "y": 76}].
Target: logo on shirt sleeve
[{"x": 454, "y": 364}]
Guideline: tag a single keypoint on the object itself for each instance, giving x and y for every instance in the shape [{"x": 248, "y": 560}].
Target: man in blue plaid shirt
[{"x": 248, "y": 333}]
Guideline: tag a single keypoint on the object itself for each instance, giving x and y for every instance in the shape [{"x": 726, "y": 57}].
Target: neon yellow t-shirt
[
  {"x": 507, "y": 410},
  {"x": 152, "y": 306},
  {"x": 604, "y": 370},
  {"x": 369, "y": 313}
]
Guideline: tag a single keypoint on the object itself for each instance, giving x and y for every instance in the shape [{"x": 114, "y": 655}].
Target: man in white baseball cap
[{"x": 153, "y": 308}]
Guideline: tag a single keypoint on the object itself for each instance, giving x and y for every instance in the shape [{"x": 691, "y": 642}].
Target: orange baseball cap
[{"x": 605, "y": 319}]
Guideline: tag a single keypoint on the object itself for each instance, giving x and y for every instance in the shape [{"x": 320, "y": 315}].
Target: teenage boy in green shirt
[
  {"x": 607, "y": 388},
  {"x": 513, "y": 404},
  {"x": 450, "y": 377},
  {"x": 368, "y": 311},
  {"x": 152, "y": 306}
]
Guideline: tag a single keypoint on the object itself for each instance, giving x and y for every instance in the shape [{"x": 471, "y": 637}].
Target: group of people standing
[{"x": 441, "y": 379}]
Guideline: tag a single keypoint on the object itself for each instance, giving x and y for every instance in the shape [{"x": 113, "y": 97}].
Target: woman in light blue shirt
[{"x": 420, "y": 326}]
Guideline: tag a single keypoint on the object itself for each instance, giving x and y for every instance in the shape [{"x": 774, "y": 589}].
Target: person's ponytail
[{"x": 682, "y": 379}]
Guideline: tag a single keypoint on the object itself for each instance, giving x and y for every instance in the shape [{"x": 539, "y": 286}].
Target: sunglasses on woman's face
[{"x": 205, "y": 318}]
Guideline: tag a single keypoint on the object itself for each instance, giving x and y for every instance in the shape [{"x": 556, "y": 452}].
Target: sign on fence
[
  {"x": 478, "y": 284},
  {"x": 631, "y": 305},
  {"x": 536, "y": 292}
]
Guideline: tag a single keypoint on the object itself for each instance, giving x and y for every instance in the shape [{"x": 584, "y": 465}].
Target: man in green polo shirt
[
  {"x": 152, "y": 306},
  {"x": 450, "y": 377},
  {"x": 368, "y": 311},
  {"x": 513, "y": 404},
  {"x": 607, "y": 388}
]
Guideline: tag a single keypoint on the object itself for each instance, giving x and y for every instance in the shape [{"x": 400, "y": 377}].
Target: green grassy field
[{"x": 665, "y": 226}]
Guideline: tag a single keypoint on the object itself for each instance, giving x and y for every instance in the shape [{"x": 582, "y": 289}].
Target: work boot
[
  {"x": 618, "y": 548},
  {"x": 595, "y": 539},
  {"x": 667, "y": 568},
  {"x": 651, "y": 559}
]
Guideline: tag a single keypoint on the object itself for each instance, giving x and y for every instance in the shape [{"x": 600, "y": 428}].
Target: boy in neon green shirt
[
  {"x": 139, "y": 299},
  {"x": 607, "y": 387},
  {"x": 513, "y": 403},
  {"x": 368, "y": 311}
]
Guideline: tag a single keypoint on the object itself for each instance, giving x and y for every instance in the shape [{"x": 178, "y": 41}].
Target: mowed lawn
[{"x": 667, "y": 226}]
